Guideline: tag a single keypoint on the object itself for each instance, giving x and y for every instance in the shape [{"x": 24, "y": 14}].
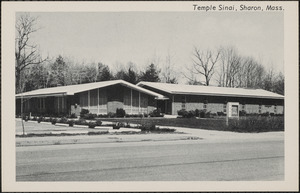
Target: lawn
[{"x": 245, "y": 124}]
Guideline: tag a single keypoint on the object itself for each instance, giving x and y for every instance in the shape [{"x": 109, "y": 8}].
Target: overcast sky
[{"x": 139, "y": 37}]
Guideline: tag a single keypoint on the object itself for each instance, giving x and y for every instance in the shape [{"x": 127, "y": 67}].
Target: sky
[{"x": 141, "y": 37}]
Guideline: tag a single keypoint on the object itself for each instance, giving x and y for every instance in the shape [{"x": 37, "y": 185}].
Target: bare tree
[
  {"x": 204, "y": 63},
  {"x": 229, "y": 68},
  {"x": 279, "y": 84},
  {"x": 168, "y": 73},
  {"x": 26, "y": 52},
  {"x": 269, "y": 80}
]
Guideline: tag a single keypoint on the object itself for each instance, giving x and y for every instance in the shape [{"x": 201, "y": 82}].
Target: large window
[
  {"x": 102, "y": 101},
  {"x": 84, "y": 99},
  {"x": 94, "y": 97}
]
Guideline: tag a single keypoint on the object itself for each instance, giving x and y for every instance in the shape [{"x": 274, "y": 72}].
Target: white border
[{"x": 8, "y": 144}]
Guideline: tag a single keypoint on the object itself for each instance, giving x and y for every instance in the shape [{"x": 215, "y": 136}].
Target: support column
[
  {"x": 89, "y": 100},
  {"x": 172, "y": 110},
  {"x": 98, "y": 102},
  {"x": 139, "y": 102},
  {"x": 62, "y": 103},
  {"x": 131, "y": 101},
  {"x": 58, "y": 104},
  {"x": 166, "y": 107}
]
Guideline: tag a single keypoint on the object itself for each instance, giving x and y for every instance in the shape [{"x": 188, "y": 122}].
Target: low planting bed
[
  {"x": 244, "y": 124},
  {"x": 253, "y": 123}
]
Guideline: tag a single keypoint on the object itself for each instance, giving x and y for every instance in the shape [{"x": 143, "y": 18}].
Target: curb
[{"x": 107, "y": 139}]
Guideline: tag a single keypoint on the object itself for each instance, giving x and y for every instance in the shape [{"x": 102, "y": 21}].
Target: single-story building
[
  {"x": 214, "y": 99},
  {"x": 99, "y": 98}
]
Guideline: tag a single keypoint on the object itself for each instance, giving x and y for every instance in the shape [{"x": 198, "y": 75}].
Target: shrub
[
  {"x": 111, "y": 115},
  {"x": 102, "y": 115},
  {"x": 120, "y": 112},
  {"x": 47, "y": 120},
  {"x": 156, "y": 113},
  {"x": 71, "y": 123},
  {"x": 213, "y": 114},
  {"x": 208, "y": 114},
  {"x": 221, "y": 113},
  {"x": 25, "y": 118},
  {"x": 242, "y": 113},
  {"x": 266, "y": 114},
  {"x": 73, "y": 115},
  {"x": 148, "y": 127},
  {"x": 98, "y": 122},
  {"x": 54, "y": 121},
  {"x": 256, "y": 124},
  {"x": 186, "y": 114},
  {"x": 89, "y": 116},
  {"x": 197, "y": 113},
  {"x": 181, "y": 112},
  {"x": 84, "y": 112},
  {"x": 63, "y": 120},
  {"x": 116, "y": 126},
  {"x": 202, "y": 113},
  {"x": 40, "y": 119},
  {"x": 146, "y": 115},
  {"x": 191, "y": 114},
  {"x": 92, "y": 124},
  {"x": 81, "y": 122}
]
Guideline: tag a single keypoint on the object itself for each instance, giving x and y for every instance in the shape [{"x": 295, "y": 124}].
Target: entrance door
[{"x": 161, "y": 104}]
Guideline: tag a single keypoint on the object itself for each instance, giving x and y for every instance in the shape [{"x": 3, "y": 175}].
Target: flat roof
[
  {"x": 72, "y": 89},
  {"x": 211, "y": 90}
]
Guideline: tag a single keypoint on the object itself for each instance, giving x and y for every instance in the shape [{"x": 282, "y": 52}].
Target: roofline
[
  {"x": 214, "y": 94},
  {"x": 19, "y": 96},
  {"x": 231, "y": 95},
  {"x": 113, "y": 82}
]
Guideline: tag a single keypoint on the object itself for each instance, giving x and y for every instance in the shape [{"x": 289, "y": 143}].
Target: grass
[{"x": 250, "y": 124}]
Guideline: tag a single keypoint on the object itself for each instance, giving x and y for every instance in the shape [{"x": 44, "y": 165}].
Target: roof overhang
[
  {"x": 19, "y": 96},
  {"x": 229, "y": 95},
  {"x": 212, "y": 94}
]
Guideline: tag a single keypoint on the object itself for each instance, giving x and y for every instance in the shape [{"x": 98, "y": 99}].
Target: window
[
  {"x": 243, "y": 107},
  {"x": 275, "y": 108},
  {"x": 224, "y": 108},
  {"x": 183, "y": 99},
  {"x": 259, "y": 109},
  {"x": 41, "y": 103}
]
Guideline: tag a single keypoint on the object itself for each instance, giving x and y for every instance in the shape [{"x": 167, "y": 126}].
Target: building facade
[
  {"x": 107, "y": 96},
  {"x": 99, "y": 98},
  {"x": 214, "y": 99}
]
